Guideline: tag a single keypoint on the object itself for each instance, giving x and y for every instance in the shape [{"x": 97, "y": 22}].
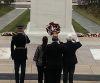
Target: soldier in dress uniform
[{"x": 19, "y": 53}]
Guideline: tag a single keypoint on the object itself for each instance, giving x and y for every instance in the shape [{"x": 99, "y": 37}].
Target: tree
[
  {"x": 91, "y": 6},
  {"x": 7, "y": 2}
]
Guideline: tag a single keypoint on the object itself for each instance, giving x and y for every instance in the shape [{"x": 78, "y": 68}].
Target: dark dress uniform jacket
[
  {"x": 53, "y": 55},
  {"x": 18, "y": 49},
  {"x": 69, "y": 50}
]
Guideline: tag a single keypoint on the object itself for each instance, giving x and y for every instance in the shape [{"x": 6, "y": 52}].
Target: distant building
[
  {"x": 23, "y": 0},
  {"x": 21, "y": 4}
]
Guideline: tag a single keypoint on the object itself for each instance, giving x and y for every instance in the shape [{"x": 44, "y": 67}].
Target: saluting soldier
[{"x": 19, "y": 52}]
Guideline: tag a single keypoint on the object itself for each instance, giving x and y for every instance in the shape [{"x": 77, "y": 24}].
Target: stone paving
[
  {"x": 27, "y": 81},
  {"x": 8, "y": 18},
  {"x": 86, "y": 23},
  {"x": 87, "y": 64}
]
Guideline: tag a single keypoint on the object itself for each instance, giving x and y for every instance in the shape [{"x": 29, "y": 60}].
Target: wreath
[{"x": 53, "y": 28}]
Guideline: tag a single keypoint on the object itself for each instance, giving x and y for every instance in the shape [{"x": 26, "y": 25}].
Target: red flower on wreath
[{"x": 53, "y": 28}]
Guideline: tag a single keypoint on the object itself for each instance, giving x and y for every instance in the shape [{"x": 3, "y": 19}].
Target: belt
[{"x": 20, "y": 48}]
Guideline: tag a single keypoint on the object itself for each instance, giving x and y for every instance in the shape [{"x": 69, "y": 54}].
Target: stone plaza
[{"x": 87, "y": 69}]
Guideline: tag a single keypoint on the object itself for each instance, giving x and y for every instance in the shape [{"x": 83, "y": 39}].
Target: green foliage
[
  {"x": 88, "y": 2},
  {"x": 99, "y": 3},
  {"x": 22, "y": 19},
  {"x": 4, "y": 10},
  {"x": 92, "y": 6},
  {"x": 78, "y": 27},
  {"x": 6, "y": 2},
  {"x": 92, "y": 13}
]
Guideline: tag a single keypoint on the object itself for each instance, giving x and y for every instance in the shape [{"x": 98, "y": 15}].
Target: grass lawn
[
  {"x": 22, "y": 19},
  {"x": 85, "y": 13},
  {"x": 4, "y": 10},
  {"x": 78, "y": 27},
  {"x": 25, "y": 18}
]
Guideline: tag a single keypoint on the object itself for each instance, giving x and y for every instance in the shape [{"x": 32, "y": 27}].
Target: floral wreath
[{"x": 53, "y": 28}]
